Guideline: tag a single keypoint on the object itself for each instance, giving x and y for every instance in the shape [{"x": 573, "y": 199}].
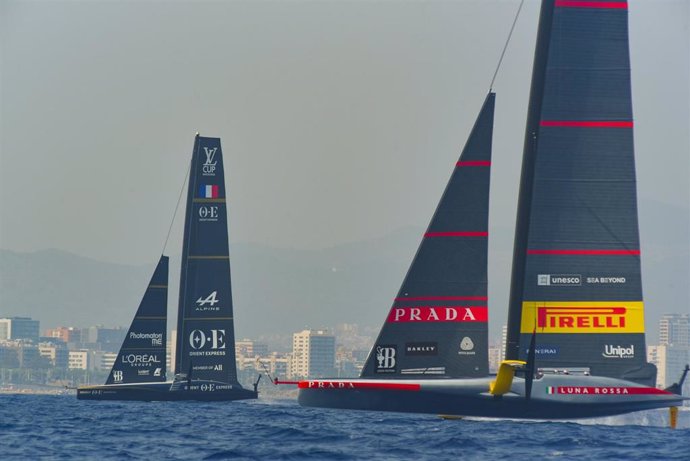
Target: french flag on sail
[{"x": 208, "y": 191}]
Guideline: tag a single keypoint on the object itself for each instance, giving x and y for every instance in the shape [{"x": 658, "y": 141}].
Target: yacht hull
[
  {"x": 552, "y": 397},
  {"x": 166, "y": 391}
]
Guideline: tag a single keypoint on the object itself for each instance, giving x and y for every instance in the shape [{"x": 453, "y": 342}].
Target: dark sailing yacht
[
  {"x": 576, "y": 327},
  {"x": 205, "y": 354}
]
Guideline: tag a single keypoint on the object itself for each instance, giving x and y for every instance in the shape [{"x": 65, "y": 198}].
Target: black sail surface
[
  {"x": 576, "y": 268},
  {"x": 142, "y": 356},
  {"x": 437, "y": 326},
  {"x": 205, "y": 328}
]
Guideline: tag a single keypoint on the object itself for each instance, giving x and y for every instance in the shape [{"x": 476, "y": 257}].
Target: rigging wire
[
  {"x": 505, "y": 47},
  {"x": 179, "y": 198}
]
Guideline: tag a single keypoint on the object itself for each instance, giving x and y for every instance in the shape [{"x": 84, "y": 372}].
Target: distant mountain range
[{"x": 279, "y": 291}]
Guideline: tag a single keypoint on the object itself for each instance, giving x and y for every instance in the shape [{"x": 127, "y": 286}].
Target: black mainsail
[
  {"x": 437, "y": 326},
  {"x": 142, "y": 356},
  {"x": 206, "y": 338},
  {"x": 576, "y": 267}
]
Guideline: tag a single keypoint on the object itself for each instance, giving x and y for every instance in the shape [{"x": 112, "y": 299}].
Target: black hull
[
  {"x": 471, "y": 398},
  {"x": 164, "y": 392}
]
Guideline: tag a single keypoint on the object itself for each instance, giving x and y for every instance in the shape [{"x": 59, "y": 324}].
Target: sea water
[{"x": 61, "y": 427}]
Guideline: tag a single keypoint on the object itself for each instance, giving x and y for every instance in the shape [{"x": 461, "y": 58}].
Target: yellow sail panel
[
  {"x": 504, "y": 378},
  {"x": 582, "y": 317}
]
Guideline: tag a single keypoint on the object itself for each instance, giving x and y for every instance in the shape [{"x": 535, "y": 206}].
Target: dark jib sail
[
  {"x": 142, "y": 356},
  {"x": 576, "y": 268},
  {"x": 206, "y": 338},
  {"x": 437, "y": 326}
]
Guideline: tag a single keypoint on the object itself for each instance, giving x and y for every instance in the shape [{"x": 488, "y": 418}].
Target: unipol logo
[
  {"x": 209, "y": 166},
  {"x": 213, "y": 339},
  {"x": 209, "y": 300},
  {"x": 581, "y": 318},
  {"x": 385, "y": 359},
  {"x": 438, "y": 314},
  {"x": 619, "y": 352},
  {"x": 117, "y": 376}
]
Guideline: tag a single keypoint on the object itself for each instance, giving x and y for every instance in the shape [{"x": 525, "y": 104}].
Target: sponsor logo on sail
[
  {"x": 210, "y": 339},
  {"x": 208, "y": 303},
  {"x": 421, "y": 348},
  {"x": 140, "y": 360},
  {"x": 438, "y": 314},
  {"x": 582, "y": 317},
  {"x": 208, "y": 213},
  {"x": 619, "y": 352},
  {"x": 209, "y": 166},
  {"x": 330, "y": 385},
  {"x": 466, "y": 346},
  {"x": 606, "y": 280},
  {"x": 117, "y": 376},
  {"x": 143, "y": 372},
  {"x": 386, "y": 358},
  {"x": 559, "y": 280},
  {"x": 208, "y": 191},
  {"x": 544, "y": 350},
  {"x": 156, "y": 338},
  {"x": 157, "y": 372}
]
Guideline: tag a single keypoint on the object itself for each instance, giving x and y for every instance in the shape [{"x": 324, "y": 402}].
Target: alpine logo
[
  {"x": 466, "y": 346},
  {"x": 559, "y": 280},
  {"x": 209, "y": 166},
  {"x": 619, "y": 352},
  {"x": 385, "y": 358},
  {"x": 213, "y": 339},
  {"x": 208, "y": 213},
  {"x": 157, "y": 372},
  {"x": 208, "y": 303},
  {"x": 438, "y": 314}
]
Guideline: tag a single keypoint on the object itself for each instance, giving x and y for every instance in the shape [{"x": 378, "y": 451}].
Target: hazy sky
[{"x": 340, "y": 121}]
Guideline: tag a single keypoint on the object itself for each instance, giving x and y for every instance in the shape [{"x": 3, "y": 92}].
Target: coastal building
[
  {"x": 78, "y": 360},
  {"x": 673, "y": 351},
  {"x": 19, "y": 328},
  {"x": 55, "y": 352},
  {"x": 313, "y": 354}
]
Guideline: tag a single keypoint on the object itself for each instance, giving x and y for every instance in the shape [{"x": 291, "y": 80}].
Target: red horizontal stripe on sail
[
  {"x": 321, "y": 384},
  {"x": 456, "y": 234},
  {"x": 444, "y": 298},
  {"x": 590, "y": 4},
  {"x": 473, "y": 163},
  {"x": 588, "y": 123},
  {"x": 585, "y": 252},
  {"x": 438, "y": 314}
]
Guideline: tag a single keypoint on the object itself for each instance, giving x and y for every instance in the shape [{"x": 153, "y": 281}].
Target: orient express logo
[
  {"x": 211, "y": 339},
  {"x": 209, "y": 166},
  {"x": 438, "y": 314},
  {"x": 425, "y": 348},
  {"x": 208, "y": 213},
  {"x": 385, "y": 358}
]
